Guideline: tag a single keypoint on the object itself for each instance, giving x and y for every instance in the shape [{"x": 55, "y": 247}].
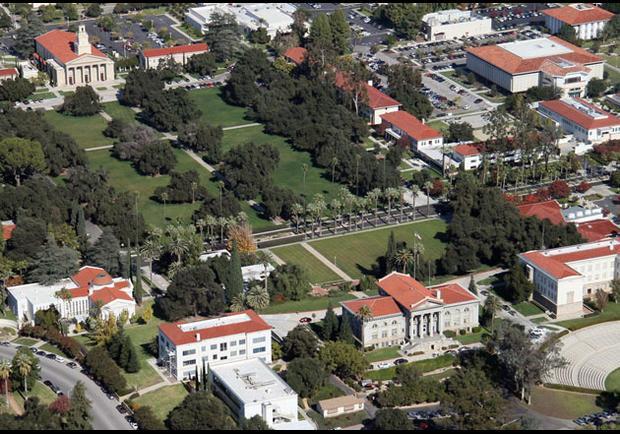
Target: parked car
[
  {"x": 34, "y": 349},
  {"x": 383, "y": 365},
  {"x": 121, "y": 409},
  {"x": 305, "y": 320},
  {"x": 50, "y": 356},
  {"x": 400, "y": 361},
  {"x": 41, "y": 353},
  {"x": 72, "y": 365},
  {"x": 4, "y": 344}
]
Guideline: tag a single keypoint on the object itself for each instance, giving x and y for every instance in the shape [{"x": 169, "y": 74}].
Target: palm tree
[
  {"x": 220, "y": 188},
  {"x": 415, "y": 189},
  {"x": 374, "y": 195},
  {"x": 349, "y": 203},
  {"x": 211, "y": 222},
  {"x": 194, "y": 187},
  {"x": 164, "y": 199},
  {"x": 391, "y": 194},
  {"x": 363, "y": 206},
  {"x": 334, "y": 164},
  {"x": 312, "y": 211},
  {"x": 5, "y": 373},
  {"x": 364, "y": 313},
  {"x": 336, "y": 208},
  {"x": 257, "y": 297},
  {"x": 177, "y": 242},
  {"x": 417, "y": 250},
  {"x": 492, "y": 305},
  {"x": 427, "y": 186},
  {"x": 404, "y": 258},
  {"x": 297, "y": 210},
  {"x": 24, "y": 366},
  {"x": 222, "y": 222},
  {"x": 237, "y": 304},
  {"x": 200, "y": 224}
]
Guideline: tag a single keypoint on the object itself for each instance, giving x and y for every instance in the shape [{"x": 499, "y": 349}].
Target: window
[
  {"x": 258, "y": 350},
  {"x": 214, "y": 356},
  {"x": 233, "y": 343},
  {"x": 241, "y": 352},
  {"x": 258, "y": 340},
  {"x": 241, "y": 341},
  {"x": 233, "y": 353},
  {"x": 214, "y": 347},
  {"x": 189, "y": 362},
  {"x": 223, "y": 346},
  {"x": 189, "y": 352}
]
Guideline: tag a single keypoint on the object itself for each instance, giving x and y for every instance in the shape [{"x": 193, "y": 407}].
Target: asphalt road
[{"x": 103, "y": 410}]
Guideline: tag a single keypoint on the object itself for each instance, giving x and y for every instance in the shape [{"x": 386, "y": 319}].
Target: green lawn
[
  {"x": 289, "y": 172},
  {"x": 25, "y": 341},
  {"x": 612, "y": 60},
  {"x": 470, "y": 338},
  {"x": 86, "y": 130},
  {"x": 118, "y": 111},
  {"x": 123, "y": 176},
  {"x": 528, "y": 309},
  {"x": 52, "y": 349},
  {"x": 611, "y": 313},
  {"x": 307, "y": 304},
  {"x": 612, "y": 382},
  {"x": 356, "y": 253},
  {"x": 563, "y": 404},
  {"x": 39, "y": 390},
  {"x": 613, "y": 76},
  {"x": 326, "y": 392},
  {"x": 427, "y": 365},
  {"x": 295, "y": 254},
  {"x": 382, "y": 354},
  {"x": 163, "y": 400},
  {"x": 440, "y": 126},
  {"x": 41, "y": 96},
  {"x": 215, "y": 110}
]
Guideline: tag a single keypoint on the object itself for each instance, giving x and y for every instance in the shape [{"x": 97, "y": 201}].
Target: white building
[
  {"x": 340, "y": 405},
  {"x": 8, "y": 74},
  {"x": 587, "y": 20},
  {"x": 407, "y": 312},
  {"x": 373, "y": 104},
  {"x": 408, "y": 131},
  {"x": 551, "y": 61},
  {"x": 579, "y": 214},
  {"x": 185, "y": 347},
  {"x": 564, "y": 276},
  {"x": 454, "y": 24},
  {"x": 468, "y": 155},
  {"x": 256, "y": 272},
  {"x": 585, "y": 121},
  {"x": 152, "y": 57},
  {"x": 275, "y": 17},
  {"x": 251, "y": 388},
  {"x": 70, "y": 60},
  {"x": 74, "y": 297}
]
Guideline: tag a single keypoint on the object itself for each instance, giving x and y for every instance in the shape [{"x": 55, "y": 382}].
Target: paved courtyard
[{"x": 592, "y": 354}]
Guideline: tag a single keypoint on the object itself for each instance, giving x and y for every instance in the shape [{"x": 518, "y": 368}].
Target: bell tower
[{"x": 82, "y": 46}]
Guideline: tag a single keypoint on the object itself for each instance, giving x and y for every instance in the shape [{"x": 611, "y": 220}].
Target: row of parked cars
[{"x": 598, "y": 419}]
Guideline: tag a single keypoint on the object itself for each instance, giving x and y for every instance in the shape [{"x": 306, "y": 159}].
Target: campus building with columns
[
  {"x": 408, "y": 312},
  {"x": 71, "y": 60}
]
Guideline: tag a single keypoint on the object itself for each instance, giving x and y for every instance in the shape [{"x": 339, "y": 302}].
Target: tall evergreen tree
[
  {"x": 234, "y": 283},
  {"x": 78, "y": 417},
  {"x": 321, "y": 33},
  {"x": 392, "y": 248},
  {"x": 341, "y": 32},
  {"x": 105, "y": 252},
  {"x": 345, "y": 333},
  {"x": 138, "y": 292},
  {"x": 330, "y": 323},
  {"x": 54, "y": 263},
  {"x": 472, "y": 285}
]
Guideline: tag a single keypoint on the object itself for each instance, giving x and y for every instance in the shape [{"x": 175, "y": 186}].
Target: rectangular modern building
[
  {"x": 587, "y": 20},
  {"x": 585, "y": 121},
  {"x": 187, "y": 346},
  {"x": 518, "y": 66},
  {"x": 565, "y": 276},
  {"x": 408, "y": 131},
  {"x": 454, "y": 24},
  {"x": 151, "y": 58}
]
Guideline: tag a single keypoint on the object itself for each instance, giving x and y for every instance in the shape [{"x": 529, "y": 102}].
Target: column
[
  {"x": 430, "y": 324},
  {"x": 439, "y": 323}
]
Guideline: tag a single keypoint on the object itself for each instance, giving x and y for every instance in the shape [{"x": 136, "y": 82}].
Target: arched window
[
  {"x": 466, "y": 315},
  {"x": 446, "y": 319}
]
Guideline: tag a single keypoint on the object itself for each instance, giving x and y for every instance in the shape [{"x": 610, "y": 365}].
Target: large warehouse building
[
  {"x": 454, "y": 24},
  {"x": 518, "y": 66}
]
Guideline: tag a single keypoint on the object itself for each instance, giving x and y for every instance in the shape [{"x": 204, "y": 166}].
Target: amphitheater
[{"x": 592, "y": 354}]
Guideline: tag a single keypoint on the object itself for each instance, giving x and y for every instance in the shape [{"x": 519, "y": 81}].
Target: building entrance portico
[{"x": 425, "y": 325}]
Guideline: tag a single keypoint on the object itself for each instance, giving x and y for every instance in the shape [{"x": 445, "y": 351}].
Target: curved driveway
[
  {"x": 103, "y": 410},
  {"x": 592, "y": 354}
]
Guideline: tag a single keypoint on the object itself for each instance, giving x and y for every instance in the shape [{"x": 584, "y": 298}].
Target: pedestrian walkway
[
  {"x": 106, "y": 116},
  {"x": 99, "y": 148},
  {"x": 236, "y": 127},
  {"x": 327, "y": 263},
  {"x": 275, "y": 257}
]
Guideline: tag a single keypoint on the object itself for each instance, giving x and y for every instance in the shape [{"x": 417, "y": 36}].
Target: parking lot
[{"x": 509, "y": 17}]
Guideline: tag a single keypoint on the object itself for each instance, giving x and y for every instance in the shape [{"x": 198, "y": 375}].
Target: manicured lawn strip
[
  {"x": 86, "y": 130},
  {"x": 215, "y": 110},
  {"x": 52, "y": 349},
  {"x": 41, "y": 96},
  {"x": 527, "y": 309},
  {"x": 439, "y": 125},
  {"x": 25, "y": 341},
  {"x": 163, "y": 400},
  {"x": 8, "y": 314},
  {"x": 427, "y": 365},
  {"x": 295, "y": 254},
  {"x": 562, "y": 404},
  {"x": 611, "y": 313},
  {"x": 613, "y": 76},
  {"x": 470, "y": 338},
  {"x": 326, "y": 392},
  {"x": 118, "y": 111},
  {"x": 443, "y": 375},
  {"x": 40, "y": 390},
  {"x": 289, "y": 172},
  {"x": 356, "y": 253},
  {"x": 612, "y": 382},
  {"x": 307, "y": 304},
  {"x": 382, "y": 354}
]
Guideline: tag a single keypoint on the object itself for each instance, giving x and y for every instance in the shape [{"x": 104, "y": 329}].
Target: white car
[
  {"x": 383, "y": 365},
  {"x": 59, "y": 359}
]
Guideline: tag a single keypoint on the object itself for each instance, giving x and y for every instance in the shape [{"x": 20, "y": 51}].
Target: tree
[
  {"x": 518, "y": 286},
  {"x": 257, "y": 297},
  {"x": 20, "y": 158},
  {"x": 157, "y": 158},
  {"x": 183, "y": 188},
  {"x": 79, "y": 417},
  {"x": 330, "y": 324},
  {"x": 600, "y": 299},
  {"x": 404, "y": 85},
  {"x": 491, "y": 306},
  {"x": 596, "y": 87},
  {"x": 234, "y": 282},
  {"x": 615, "y": 289},
  {"x": 25, "y": 368},
  {"x": 568, "y": 33},
  {"x": 255, "y": 423},
  {"x": 54, "y": 263},
  {"x": 559, "y": 189},
  {"x": 24, "y": 36},
  {"x": 343, "y": 359},
  {"x": 203, "y": 138},
  {"x": 84, "y": 102},
  {"x": 299, "y": 342},
  {"x": 93, "y": 10},
  {"x": 403, "y": 258},
  {"x": 340, "y": 31},
  {"x": 306, "y": 376},
  {"x": 105, "y": 370},
  {"x": 460, "y": 132},
  {"x": 223, "y": 36},
  {"x": 472, "y": 285},
  {"x": 259, "y": 36},
  {"x": 392, "y": 419},
  {"x": 200, "y": 411},
  {"x": 147, "y": 420},
  {"x": 345, "y": 333},
  {"x": 14, "y": 90},
  {"x": 105, "y": 252},
  {"x": 472, "y": 398},
  {"x": 5, "y": 373}
]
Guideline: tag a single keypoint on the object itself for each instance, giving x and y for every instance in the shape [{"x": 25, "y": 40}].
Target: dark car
[
  {"x": 48, "y": 383},
  {"x": 478, "y": 100},
  {"x": 121, "y": 409},
  {"x": 72, "y": 365},
  {"x": 305, "y": 320},
  {"x": 41, "y": 353},
  {"x": 50, "y": 356},
  {"x": 400, "y": 361}
]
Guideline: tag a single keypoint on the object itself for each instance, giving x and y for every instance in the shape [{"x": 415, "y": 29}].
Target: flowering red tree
[
  {"x": 583, "y": 186},
  {"x": 559, "y": 189},
  {"x": 62, "y": 405},
  {"x": 437, "y": 189}
]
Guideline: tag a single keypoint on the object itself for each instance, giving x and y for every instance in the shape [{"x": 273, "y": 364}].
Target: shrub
[
  {"x": 583, "y": 187},
  {"x": 462, "y": 332},
  {"x": 559, "y": 189},
  {"x": 449, "y": 333},
  {"x": 476, "y": 329}
]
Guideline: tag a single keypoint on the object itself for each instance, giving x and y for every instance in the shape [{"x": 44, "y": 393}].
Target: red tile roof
[
  {"x": 466, "y": 150},
  {"x": 191, "y": 48},
  {"x": 8, "y": 72},
  {"x": 379, "y": 306},
  {"x": 557, "y": 265},
  {"x": 109, "y": 294},
  {"x": 411, "y": 125},
  {"x": 551, "y": 68},
  {"x": 376, "y": 98},
  {"x": 407, "y": 291},
  {"x": 513, "y": 64},
  {"x": 578, "y": 117},
  {"x": 549, "y": 210},
  {"x": 296, "y": 54},
  {"x": 178, "y": 337},
  {"x": 597, "y": 229},
  {"x": 454, "y": 293},
  {"x": 60, "y": 44},
  {"x": 573, "y": 16},
  {"x": 94, "y": 275},
  {"x": 7, "y": 230}
]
